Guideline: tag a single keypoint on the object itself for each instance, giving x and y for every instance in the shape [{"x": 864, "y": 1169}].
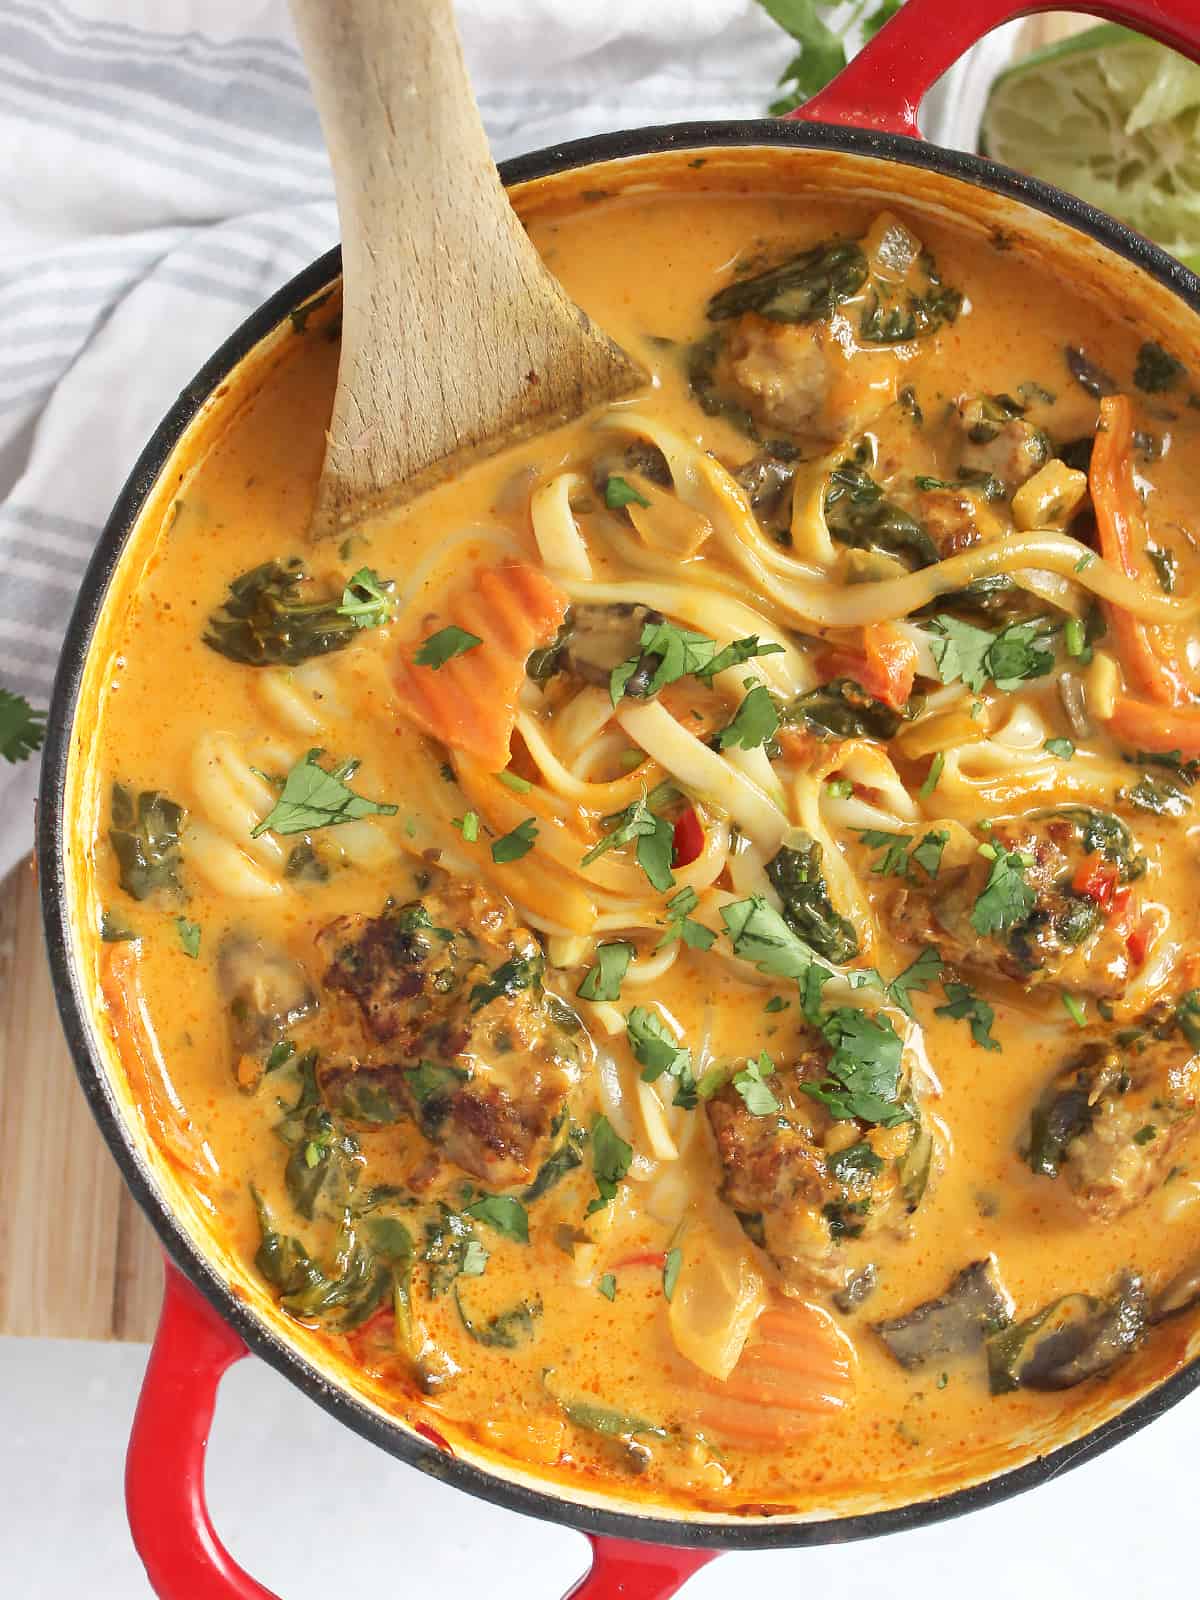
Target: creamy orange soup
[{"x": 670, "y": 957}]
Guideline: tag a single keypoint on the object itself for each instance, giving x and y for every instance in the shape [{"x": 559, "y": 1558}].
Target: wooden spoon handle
[{"x": 454, "y": 334}]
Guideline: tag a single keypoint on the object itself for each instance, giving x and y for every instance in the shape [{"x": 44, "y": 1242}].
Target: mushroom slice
[
  {"x": 1070, "y": 1340},
  {"x": 959, "y": 1321}
]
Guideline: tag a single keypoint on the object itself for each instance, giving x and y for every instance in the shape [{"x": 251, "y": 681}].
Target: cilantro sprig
[
  {"x": 902, "y": 853},
  {"x": 444, "y": 645},
  {"x": 975, "y": 656},
  {"x": 667, "y": 652},
  {"x": 751, "y": 1083},
  {"x": 658, "y": 1053},
  {"x": 603, "y": 981},
  {"x": 682, "y": 925},
  {"x": 22, "y": 728},
  {"x": 1007, "y": 897},
  {"x": 611, "y": 1158},
  {"x": 654, "y": 835}
]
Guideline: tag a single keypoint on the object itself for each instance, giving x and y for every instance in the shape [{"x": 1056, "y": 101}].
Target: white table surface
[{"x": 312, "y": 1510}]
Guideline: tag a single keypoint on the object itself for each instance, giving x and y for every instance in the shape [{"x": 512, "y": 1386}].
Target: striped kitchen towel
[{"x": 161, "y": 173}]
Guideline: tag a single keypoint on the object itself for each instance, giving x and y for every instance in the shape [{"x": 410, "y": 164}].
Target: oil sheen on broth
[{"x": 673, "y": 952}]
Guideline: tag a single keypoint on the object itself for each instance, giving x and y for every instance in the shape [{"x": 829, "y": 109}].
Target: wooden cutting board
[{"x": 78, "y": 1260}]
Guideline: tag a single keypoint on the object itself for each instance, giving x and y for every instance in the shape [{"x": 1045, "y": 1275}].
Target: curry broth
[{"x": 644, "y": 265}]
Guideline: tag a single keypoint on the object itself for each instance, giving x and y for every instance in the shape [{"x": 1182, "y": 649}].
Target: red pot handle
[
  {"x": 884, "y": 85},
  {"x": 164, "y": 1476}
]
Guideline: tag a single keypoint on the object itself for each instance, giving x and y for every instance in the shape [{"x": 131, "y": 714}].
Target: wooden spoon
[{"x": 455, "y": 337}]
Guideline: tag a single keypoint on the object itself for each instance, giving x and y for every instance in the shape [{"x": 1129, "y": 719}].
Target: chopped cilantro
[
  {"x": 365, "y": 599},
  {"x": 509, "y": 978},
  {"x": 610, "y": 1162},
  {"x": 973, "y": 655},
  {"x": 608, "y": 1286},
  {"x": 777, "y": 1003},
  {"x": 680, "y": 924},
  {"x": 444, "y": 645},
  {"x": 926, "y": 969},
  {"x": 751, "y": 1084},
  {"x": 313, "y": 797},
  {"x": 1007, "y": 897},
  {"x": 603, "y": 981},
  {"x": 657, "y": 1051},
  {"x": 655, "y": 841},
  {"x": 1146, "y": 1134},
  {"x": 759, "y": 934},
  {"x": 863, "y": 1074},
  {"x": 22, "y": 729},
  {"x": 755, "y": 721},
  {"x": 1062, "y": 748},
  {"x": 504, "y": 1212},
  {"x": 512, "y": 846},
  {"x": 667, "y": 653},
  {"x": 901, "y": 852},
  {"x": 189, "y": 936},
  {"x": 962, "y": 1003}
]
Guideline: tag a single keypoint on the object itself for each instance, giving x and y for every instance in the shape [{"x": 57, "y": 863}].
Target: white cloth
[{"x": 161, "y": 173}]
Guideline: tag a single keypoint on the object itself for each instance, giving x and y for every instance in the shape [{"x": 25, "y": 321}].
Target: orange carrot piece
[
  {"x": 470, "y": 703},
  {"x": 886, "y": 665},
  {"x": 797, "y": 1368},
  {"x": 1150, "y": 655},
  {"x": 1161, "y": 730}
]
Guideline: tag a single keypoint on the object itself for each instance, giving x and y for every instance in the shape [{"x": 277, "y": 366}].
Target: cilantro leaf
[
  {"x": 444, "y": 645},
  {"x": 366, "y": 600},
  {"x": 755, "y": 721},
  {"x": 963, "y": 1003},
  {"x": 655, "y": 842},
  {"x": 901, "y": 852},
  {"x": 313, "y": 797},
  {"x": 619, "y": 492},
  {"x": 666, "y": 653},
  {"x": 512, "y": 846},
  {"x": 603, "y": 981},
  {"x": 189, "y": 936},
  {"x": 681, "y": 924},
  {"x": 1007, "y": 897},
  {"x": 611, "y": 1157},
  {"x": 1062, "y": 748},
  {"x": 822, "y": 54},
  {"x": 22, "y": 729},
  {"x": 733, "y": 655},
  {"x": 608, "y": 1285},
  {"x": 926, "y": 969},
  {"x": 504, "y": 1212},
  {"x": 758, "y": 933},
  {"x": 974, "y": 655},
  {"x": 863, "y": 1074},
  {"x": 658, "y": 1052},
  {"x": 751, "y": 1084}
]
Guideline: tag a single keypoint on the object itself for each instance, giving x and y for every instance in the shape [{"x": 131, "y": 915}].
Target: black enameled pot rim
[{"x": 391, "y": 1435}]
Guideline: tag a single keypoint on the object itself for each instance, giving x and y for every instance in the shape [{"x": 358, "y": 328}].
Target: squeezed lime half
[{"x": 1113, "y": 118}]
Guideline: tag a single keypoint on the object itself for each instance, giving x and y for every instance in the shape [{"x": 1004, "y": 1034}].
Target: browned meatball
[
  {"x": 442, "y": 1011},
  {"x": 999, "y": 441},
  {"x": 799, "y": 378},
  {"x": 1111, "y": 1119},
  {"x": 802, "y": 1184},
  {"x": 1066, "y": 918}
]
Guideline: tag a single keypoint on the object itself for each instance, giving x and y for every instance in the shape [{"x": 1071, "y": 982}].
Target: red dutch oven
[{"x": 868, "y": 115}]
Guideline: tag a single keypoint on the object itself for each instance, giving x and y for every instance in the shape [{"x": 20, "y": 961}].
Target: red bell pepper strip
[
  {"x": 1150, "y": 655},
  {"x": 689, "y": 838},
  {"x": 885, "y": 667}
]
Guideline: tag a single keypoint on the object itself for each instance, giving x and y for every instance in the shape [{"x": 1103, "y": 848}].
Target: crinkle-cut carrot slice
[
  {"x": 470, "y": 703},
  {"x": 797, "y": 1369},
  {"x": 155, "y": 1095}
]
